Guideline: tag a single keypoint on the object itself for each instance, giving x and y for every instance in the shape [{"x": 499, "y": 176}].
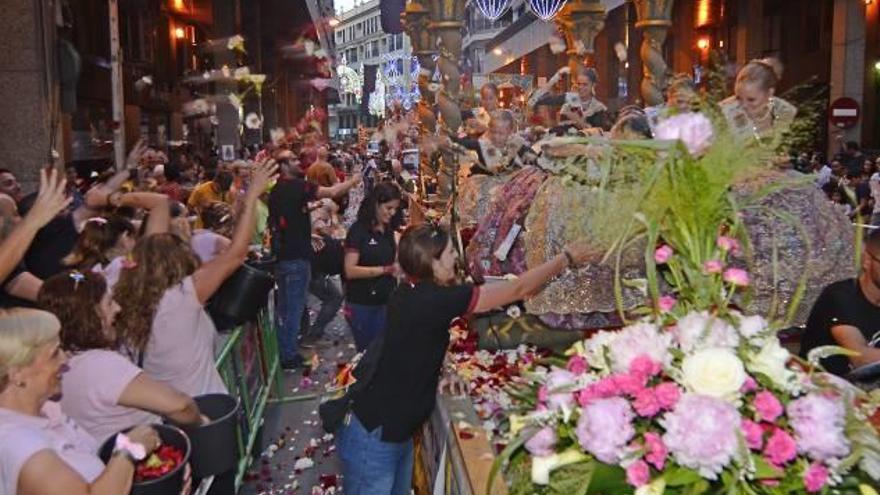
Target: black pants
[{"x": 323, "y": 287}]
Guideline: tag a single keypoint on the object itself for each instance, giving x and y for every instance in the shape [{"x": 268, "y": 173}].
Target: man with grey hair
[{"x": 499, "y": 149}]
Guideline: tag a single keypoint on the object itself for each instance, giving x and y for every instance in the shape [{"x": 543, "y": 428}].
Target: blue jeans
[
  {"x": 371, "y": 466},
  {"x": 366, "y": 322},
  {"x": 292, "y": 277}
]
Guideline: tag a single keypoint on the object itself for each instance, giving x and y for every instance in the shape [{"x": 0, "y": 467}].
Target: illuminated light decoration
[
  {"x": 703, "y": 43},
  {"x": 414, "y": 68},
  {"x": 350, "y": 81},
  {"x": 546, "y": 9},
  {"x": 376, "y": 104},
  {"x": 179, "y": 33},
  {"x": 492, "y": 9}
]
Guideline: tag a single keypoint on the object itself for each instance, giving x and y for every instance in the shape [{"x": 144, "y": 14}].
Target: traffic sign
[{"x": 844, "y": 113}]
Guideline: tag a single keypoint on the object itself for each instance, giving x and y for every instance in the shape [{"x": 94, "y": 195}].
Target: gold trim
[
  {"x": 654, "y": 23},
  {"x": 445, "y": 24}
]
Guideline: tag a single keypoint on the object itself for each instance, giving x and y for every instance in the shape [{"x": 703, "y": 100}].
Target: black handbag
[{"x": 333, "y": 411}]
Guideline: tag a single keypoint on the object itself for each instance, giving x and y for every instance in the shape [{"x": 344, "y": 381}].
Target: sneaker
[{"x": 293, "y": 364}]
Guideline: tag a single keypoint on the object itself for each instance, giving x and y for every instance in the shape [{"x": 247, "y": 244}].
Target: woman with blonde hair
[
  {"x": 103, "y": 391},
  {"x": 754, "y": 111},
  {"x": 162, "y": 322},
  {"x": 42, "y": 451}
]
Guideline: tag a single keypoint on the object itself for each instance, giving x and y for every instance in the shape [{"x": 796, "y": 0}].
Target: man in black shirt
[
  {"x": 292, "y": 244},
  {"x": 847, "y": 314}
]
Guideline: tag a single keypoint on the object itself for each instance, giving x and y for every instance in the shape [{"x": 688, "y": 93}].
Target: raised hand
[
  {"x": 134, "y": 156},
  {"x": 263, "y": 173},
  {"x": 51, "y": 199}
]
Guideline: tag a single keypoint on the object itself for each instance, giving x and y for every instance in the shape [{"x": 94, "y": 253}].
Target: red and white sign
[{"x": 844, "y": 113}]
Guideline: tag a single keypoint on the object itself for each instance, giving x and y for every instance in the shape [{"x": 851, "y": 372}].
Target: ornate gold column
[
  {"x": 654, "y": 19},
  {"x": 446, "y": 22},
  {"x": 580, "y": 21},
  {"x": 416, "y": 20}
]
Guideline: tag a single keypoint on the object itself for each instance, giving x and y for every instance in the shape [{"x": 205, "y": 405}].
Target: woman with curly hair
[
  {"x": 162, "y": 322},
  {"x": 102, "y": 390}
]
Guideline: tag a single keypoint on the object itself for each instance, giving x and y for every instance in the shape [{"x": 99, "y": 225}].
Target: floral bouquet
[{"x": 693, "y": 396}]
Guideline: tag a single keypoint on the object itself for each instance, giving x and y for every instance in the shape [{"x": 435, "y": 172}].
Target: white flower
[
  {"x": 635, "y": 340},
  {"x": 235, "y": 42},
  {"x": 656, "y": 487},
  {"x": 751, "y": 326},
  {"x": 253, "y": 121},
  {"x": 542, "y": 466},
  {"x": 693, "y": 129},
  {"x": 699, "y": 330},
  {"x": 513, "y": 311},
  {"x": 771, "y": 361},
  {"x": 716, "y": 372},
  {"x": 594, "y": 349},
  {"x": 241, "y": 72}
]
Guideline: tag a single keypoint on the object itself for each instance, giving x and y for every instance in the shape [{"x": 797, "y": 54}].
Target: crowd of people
[{"x": 106, "y": 275}]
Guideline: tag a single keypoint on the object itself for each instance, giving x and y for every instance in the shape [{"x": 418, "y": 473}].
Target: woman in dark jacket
[{"x": 375, "y": 441}]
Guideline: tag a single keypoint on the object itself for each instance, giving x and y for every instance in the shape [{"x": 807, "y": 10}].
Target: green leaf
[
  {"x": 574, "y": 479},
  {"x": 763, "y": 469},
  {"x": 609, "y": 479},
  {"x": 504, "y": 456},
  {"x": 698, "y": 488},
  {"x": 822, "y": 352},
  {"x": 680, "y": 476}
]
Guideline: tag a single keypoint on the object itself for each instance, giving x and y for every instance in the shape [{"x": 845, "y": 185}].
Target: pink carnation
[
  {"x": 662, "y": 254},
  {"x": 605, "y": 428},
  {"x": 780, "y": 448},
  {"x": 603, "y": 389},
  {"x": 638, "y": 473},
  {"x": 712, "y": 266},
  {"x": 656, "y": 450},
  {"x": 577, "y": 364},
  {"x": 558, "y": 383},
  {"x": 736, "y": 276},
  {"x": 542, "y": 393},
  {"x": 768, "y": 406},
  {"x": 629, "y": 383},
  {"x": 646, "y": 403},
  {"x": 667, "y": 394},
  {"x": 666, "y": 303},
  {"x": 750, "y": 385},
  {"x": 542, "y": 443},
  {"x": 815, "y": 477},
  {"x": 753, "y": 433},
  {"x": 728, "y": 244},
  {"x": 644, "y": 366}
]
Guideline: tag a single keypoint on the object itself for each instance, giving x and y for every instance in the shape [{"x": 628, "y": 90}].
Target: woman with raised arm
[{"x": 375, "y": 443}]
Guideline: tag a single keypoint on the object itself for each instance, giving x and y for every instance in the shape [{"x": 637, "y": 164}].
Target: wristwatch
[{"x": 135, "y": 452}]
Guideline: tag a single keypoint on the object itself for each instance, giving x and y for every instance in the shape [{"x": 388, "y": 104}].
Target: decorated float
[{"x": 667, "y": 374}]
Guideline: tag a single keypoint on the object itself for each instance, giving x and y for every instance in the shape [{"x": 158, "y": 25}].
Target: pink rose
[
  {"x": 736, "y": 276},
  {"x": 780, "y": 448},
  {"x": 656, "y": 450},
  {"x": 638, "y": 473},
  {"x": 728, "y": 244},
  {"x": 577, "y": 364},
  {"x": 753, "y": 433},
  {"x": 646, "y": 403},
  {"x": 666, "y": 303},
  {"x": 644, "y": 366},
  {"x": 662, "y": 254},
  {"x": 712, "y": 266},
  {"x": 750, "y": 385},
  {"x": 815, "y": 477},
  {"x": 667, "y": 394},
  {"x": 768, "y": 406}
]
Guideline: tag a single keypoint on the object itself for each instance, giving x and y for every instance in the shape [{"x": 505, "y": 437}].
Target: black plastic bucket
[
  {"x": 171, "y": 483},
  {"x": 214, "y": 445},
  {"x": 243, "y": 294}
]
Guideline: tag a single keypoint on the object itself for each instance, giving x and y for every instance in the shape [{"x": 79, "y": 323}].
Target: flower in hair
[
  {"x": 97, "y": 220},
  {"x": 77, "y": 277}
]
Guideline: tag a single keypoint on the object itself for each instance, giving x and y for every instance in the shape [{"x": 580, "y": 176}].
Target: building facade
[{"x": 360, "y": 44}]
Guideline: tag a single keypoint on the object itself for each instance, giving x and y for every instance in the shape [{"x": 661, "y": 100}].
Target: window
[{"x": 374, "y": 48}]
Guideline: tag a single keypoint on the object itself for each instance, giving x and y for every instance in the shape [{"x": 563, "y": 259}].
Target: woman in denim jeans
[
  {"x": 370, "y": 267},
  {"x": 375, "y": 441}
]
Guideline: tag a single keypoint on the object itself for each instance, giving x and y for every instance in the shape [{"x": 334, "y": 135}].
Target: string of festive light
[
  {"x": 546, "y": 9},
  {"x": 492, "y": 9}
]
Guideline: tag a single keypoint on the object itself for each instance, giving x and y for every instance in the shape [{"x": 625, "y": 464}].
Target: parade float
[{"x": 686, "y": 389}]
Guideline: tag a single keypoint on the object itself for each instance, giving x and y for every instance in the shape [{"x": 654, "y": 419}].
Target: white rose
[
  {"x": 751, "y": 326},
  {"x": 771, "y": 361},
  {"x": 715, "y": 372}
]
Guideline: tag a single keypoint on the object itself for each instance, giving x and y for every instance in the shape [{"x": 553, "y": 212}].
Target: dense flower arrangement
[{"x": 694, "y": 396}]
